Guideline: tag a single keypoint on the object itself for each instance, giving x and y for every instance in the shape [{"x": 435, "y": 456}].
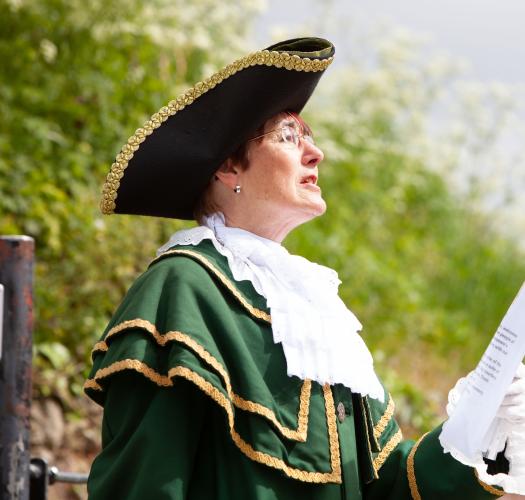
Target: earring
[{"x": 237, "y": 189}]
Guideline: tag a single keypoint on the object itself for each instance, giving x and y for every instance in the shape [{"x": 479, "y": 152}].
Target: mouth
[{"x": 309, "y": 179}]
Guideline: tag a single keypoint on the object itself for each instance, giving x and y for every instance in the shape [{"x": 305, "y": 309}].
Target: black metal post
[{"x": 16, "y": 277}]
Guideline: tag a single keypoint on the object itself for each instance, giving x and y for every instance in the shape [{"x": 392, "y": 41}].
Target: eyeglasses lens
[{"x": 291, "y": 135}]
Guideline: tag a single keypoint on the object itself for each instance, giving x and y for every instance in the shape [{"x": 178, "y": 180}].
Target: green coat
[{"x": 198, "y": 405}]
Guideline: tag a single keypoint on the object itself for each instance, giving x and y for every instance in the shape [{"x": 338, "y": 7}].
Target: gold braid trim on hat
[
  {"x": 334, "y": 476},
  {"x": 298, "y": 434},
  {"x": 257, "y": 313},
  {"x": 385, "y": 418},
  {"x": 261, "y": 58},
  {"x": 388, "y": 448}
]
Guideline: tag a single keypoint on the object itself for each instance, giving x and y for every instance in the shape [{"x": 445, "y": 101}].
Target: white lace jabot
[{"x": 318, "y": 333}]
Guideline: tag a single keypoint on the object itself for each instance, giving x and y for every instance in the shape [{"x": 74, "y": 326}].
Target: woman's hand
[
  {"x": 512, "y": 412},
  {"x": 512, "y": 408},
  {"x": 455, "y": 394},
  {"x": 510, "y": 435}
]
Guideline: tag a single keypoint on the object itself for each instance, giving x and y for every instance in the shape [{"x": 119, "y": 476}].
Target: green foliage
[
  {"x": 427, "y": 275},
  {"x": 76, "y": 79},
  {"x": 417, "y": 263}
]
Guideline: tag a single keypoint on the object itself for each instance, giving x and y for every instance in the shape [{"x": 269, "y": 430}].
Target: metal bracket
[
  {"x": 57, "y": 476},
  {"x": 1, "y": 317},
  {"x": 42, "y": 475},
  {"x": 38, "y": 479}
]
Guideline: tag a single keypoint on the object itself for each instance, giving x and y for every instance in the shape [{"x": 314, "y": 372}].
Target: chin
[
  {"x": 316, "y": 210},
  {"x": 320, "y": 208}
]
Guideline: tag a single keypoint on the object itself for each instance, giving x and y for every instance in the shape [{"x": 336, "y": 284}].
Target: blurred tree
[
  {"x": 427, "y": 275},
  {"x": 76, "y": 79}
]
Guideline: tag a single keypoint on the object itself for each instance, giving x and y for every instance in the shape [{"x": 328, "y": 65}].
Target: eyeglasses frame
[{"x": 306, "y": 137}]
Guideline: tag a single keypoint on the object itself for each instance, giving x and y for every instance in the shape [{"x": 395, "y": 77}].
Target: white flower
[{"x": 48, "y": 50}]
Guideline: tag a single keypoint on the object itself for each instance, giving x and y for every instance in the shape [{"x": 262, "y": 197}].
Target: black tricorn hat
[{"x": 165, "y": 166}]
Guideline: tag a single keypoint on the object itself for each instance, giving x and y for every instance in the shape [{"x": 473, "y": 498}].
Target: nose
[{"x": 312, "y": 155}]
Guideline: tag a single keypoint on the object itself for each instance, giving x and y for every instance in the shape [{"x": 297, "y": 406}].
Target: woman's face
[{"x": 281, "y": 179}]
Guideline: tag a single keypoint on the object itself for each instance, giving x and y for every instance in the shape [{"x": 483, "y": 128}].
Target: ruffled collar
[{"x": 319, "y": 335}]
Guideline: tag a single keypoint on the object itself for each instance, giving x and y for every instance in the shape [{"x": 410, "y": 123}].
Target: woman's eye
[{"x": 288, "y": 135}]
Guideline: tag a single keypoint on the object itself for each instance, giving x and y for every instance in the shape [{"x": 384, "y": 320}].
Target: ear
[{"x": 228, "y": 174}]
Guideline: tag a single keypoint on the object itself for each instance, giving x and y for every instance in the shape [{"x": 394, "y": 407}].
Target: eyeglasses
[{"x": 289, "y": 135}]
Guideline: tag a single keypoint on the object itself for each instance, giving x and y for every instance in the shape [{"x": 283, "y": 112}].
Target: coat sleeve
[
  {"x": 150, "y": 439},
  {"x": 420, "y": 470}
]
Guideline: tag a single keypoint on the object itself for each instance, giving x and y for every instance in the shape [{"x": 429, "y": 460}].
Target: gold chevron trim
[
  {"x": 298, "y": 434},
  {"x": 380, "y": 427},
  {"x": 387, "y": 449},
  {"x": 334, "y": 476}
]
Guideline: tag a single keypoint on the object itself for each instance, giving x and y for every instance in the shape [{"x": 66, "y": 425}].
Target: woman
[{"x": 232, "y": 369}]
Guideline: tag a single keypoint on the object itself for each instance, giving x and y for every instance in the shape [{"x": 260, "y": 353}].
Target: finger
[
  {"x": 497, "y": 444},
  {"x": 518, "y": 385},
  {"x": 460, "y": 384},
  {"x": 520, "y": 374},
  {"x": 514, "y": 400},
  {"x": 455, "y": 394},
  {"x": 513, "y": 415},
  {"x": 453, "y": 397}
]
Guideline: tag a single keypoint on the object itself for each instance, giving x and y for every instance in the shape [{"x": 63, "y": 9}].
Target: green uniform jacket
[{"x": 198, "y": 405}]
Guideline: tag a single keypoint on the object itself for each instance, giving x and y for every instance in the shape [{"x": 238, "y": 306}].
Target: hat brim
[{"x": 165, "y": 166}]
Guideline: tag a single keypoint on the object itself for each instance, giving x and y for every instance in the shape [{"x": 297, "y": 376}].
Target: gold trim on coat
[
  {"x": 334, "y": 476},
  {"x": 411, "y": 470},
  {"x": 387, "y": 449},
  {"x": 298, "y": 434},
  {"x": 333, "y": 437},
  {"x": 257, "y": 313},
  {"x": 380, "y": 427},
  {"x": 364, "y": 412},
  {"x": 487, "y": 487}
]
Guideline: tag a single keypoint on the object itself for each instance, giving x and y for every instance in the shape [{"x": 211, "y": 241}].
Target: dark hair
[
  {"x": 204, "y": 205},
  {"x": 240, "y": 155}
]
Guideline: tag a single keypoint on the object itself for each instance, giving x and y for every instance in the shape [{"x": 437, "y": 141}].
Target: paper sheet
[{"x": 469, "y": 429}]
